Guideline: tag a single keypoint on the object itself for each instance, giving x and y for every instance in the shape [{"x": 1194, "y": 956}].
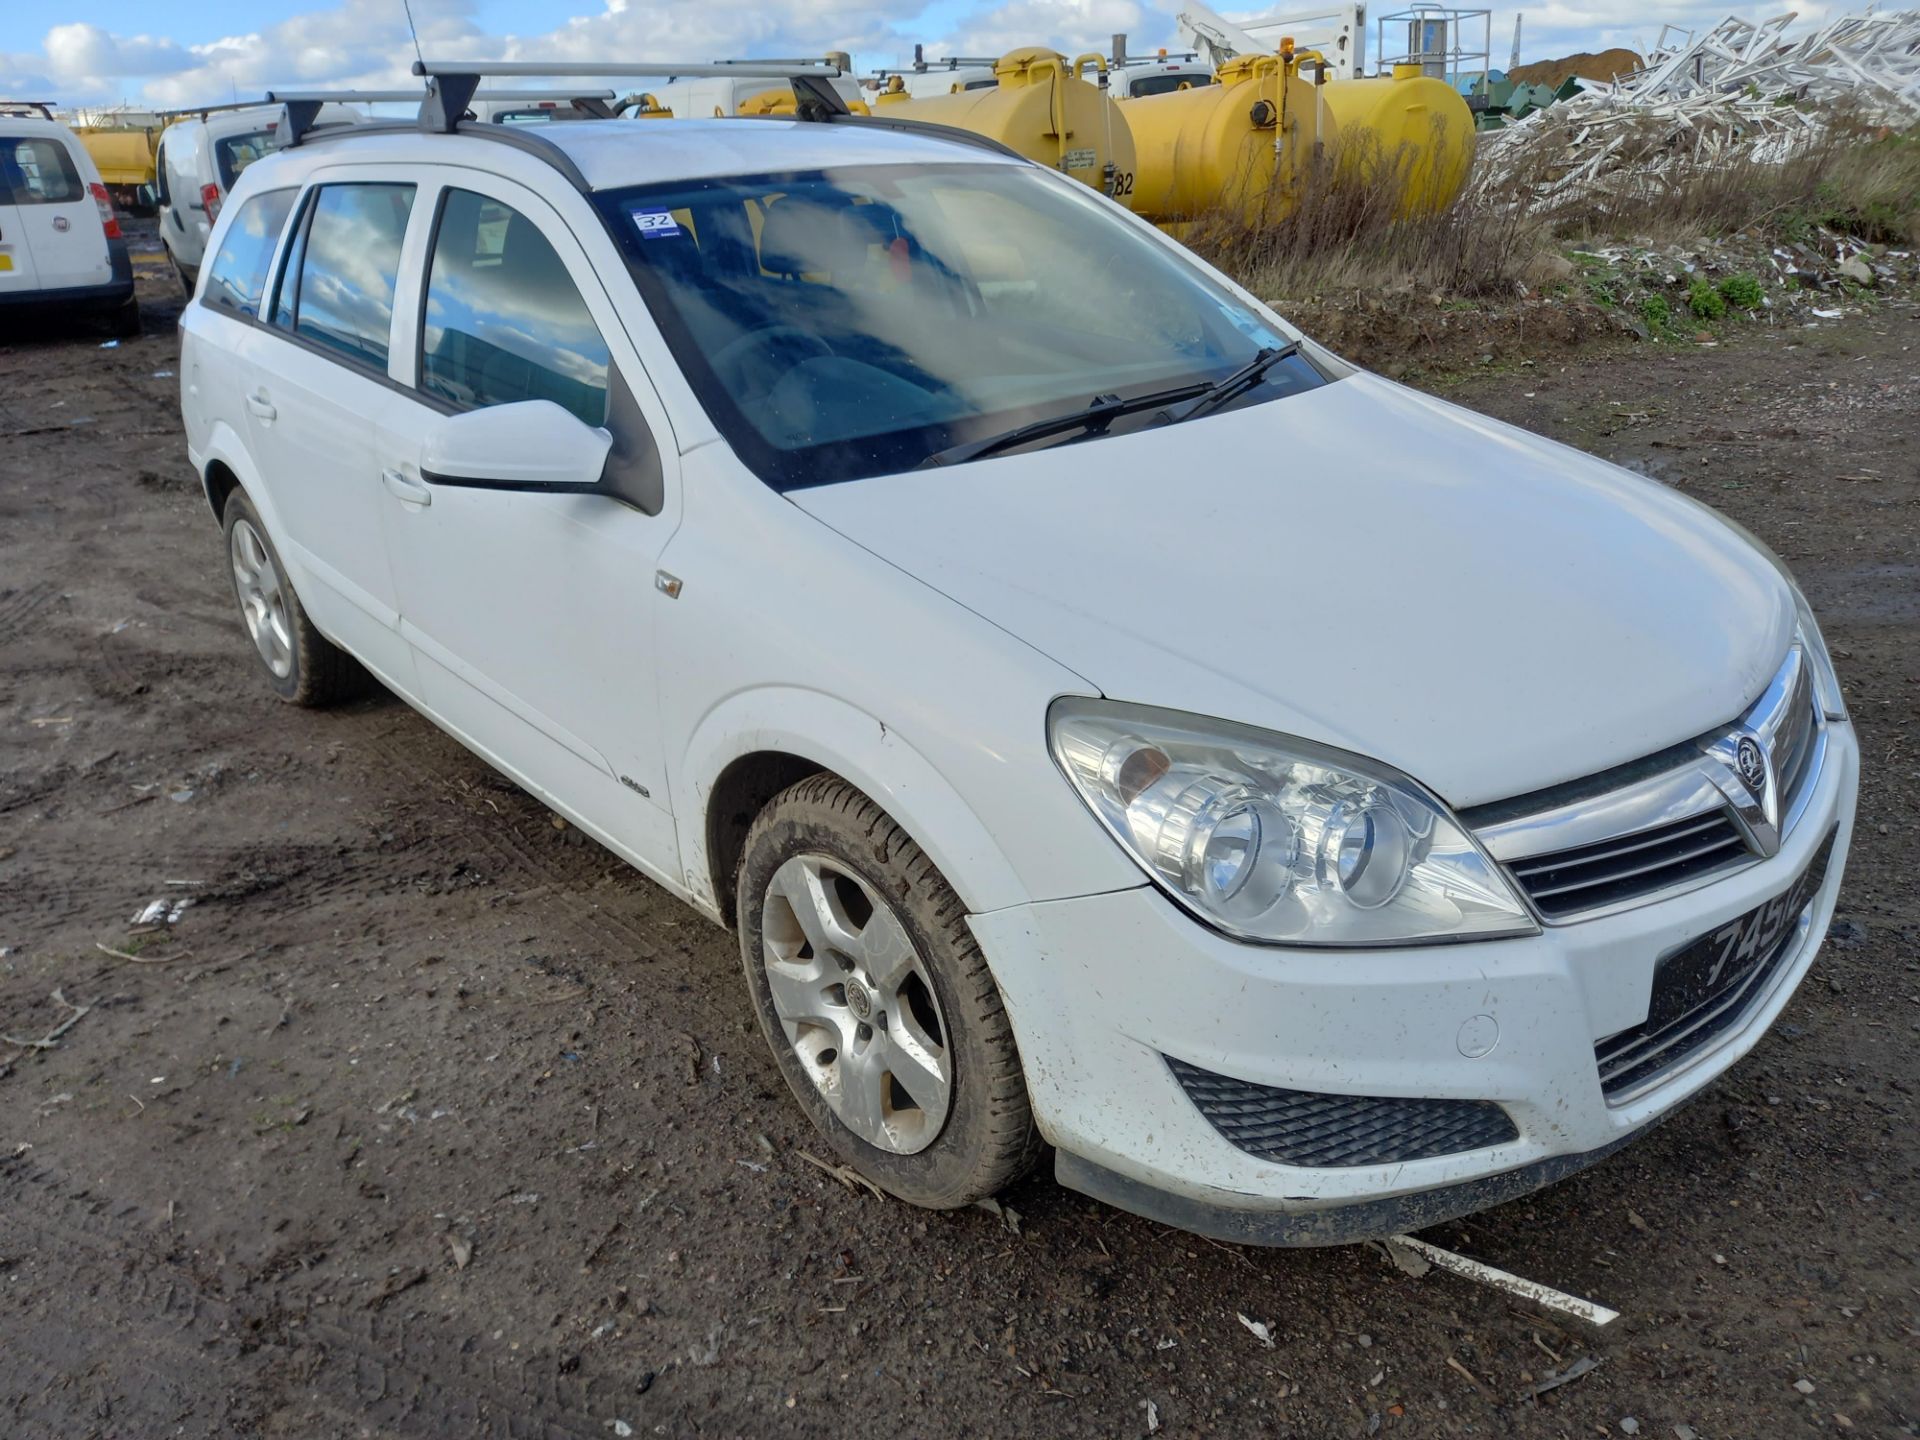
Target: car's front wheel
[{"x": 877, "y": 1002}]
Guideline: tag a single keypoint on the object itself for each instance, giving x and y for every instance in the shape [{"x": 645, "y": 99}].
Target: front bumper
[{"x": 1103, "y": 988}]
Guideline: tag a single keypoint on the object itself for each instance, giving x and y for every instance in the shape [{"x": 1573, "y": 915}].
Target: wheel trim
[
  {"x": 857, "y": 1004},
  {"x": 263, "y": 598}
]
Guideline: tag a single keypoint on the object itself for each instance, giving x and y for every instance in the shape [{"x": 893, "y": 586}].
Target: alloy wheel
[
  {"x": 263, "y": 598},
  {"x": 857, "y": 1004}
]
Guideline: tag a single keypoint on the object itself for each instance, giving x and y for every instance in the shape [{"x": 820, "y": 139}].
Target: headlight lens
[
  {"x": 1826, "y": 682},
  {"x": 1280, "y": 840}
]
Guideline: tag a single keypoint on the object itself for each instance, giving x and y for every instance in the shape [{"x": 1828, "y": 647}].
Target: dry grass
[{"x": 1349, "y": 231}]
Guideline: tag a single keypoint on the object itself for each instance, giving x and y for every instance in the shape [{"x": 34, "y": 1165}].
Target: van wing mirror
[{"x": 528, "y": 445}]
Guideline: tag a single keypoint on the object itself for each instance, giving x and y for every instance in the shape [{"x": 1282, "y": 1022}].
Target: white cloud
[
  {"x": 366, "y": 42},
  {"x": 1072, "y": 27}
]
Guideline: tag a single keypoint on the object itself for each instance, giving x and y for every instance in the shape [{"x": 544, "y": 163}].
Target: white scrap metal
[{"x": 1741, "y": 90}]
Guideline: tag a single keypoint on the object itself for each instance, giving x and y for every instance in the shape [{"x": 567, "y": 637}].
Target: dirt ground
[{"x": 426, "y": 1118}]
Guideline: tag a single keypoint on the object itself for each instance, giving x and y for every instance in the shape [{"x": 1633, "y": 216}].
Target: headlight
[
  {"x": 1826, "y": 683},
  {"x": 1280, "y": 840}
]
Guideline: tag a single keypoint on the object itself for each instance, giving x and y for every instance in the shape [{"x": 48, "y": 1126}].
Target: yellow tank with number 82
[{"x": 1045, "y": 107}]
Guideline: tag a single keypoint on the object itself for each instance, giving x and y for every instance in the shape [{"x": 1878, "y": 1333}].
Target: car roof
[
  {"x": 21, "y": 126},
  {"x": 613, "y": 154}
]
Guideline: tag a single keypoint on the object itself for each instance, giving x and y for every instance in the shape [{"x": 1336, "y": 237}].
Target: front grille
[
  {"x": 1304, "y": 1127},
  {"x": 1546, "y": 839},
  {"x": 1607, "y": 872},
  {"x": 1707, "y": 988}
]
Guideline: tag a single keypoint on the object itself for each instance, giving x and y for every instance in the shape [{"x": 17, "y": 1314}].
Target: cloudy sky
[{"x": 186, "y": 52}]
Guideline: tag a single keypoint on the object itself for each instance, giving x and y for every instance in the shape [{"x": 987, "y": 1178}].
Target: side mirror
[
  {"x": 528, "y": 445},
  {"x": 147, "y": 197}
]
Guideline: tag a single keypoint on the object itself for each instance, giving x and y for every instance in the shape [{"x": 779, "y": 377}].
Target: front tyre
[
  {"x": 301, "y": 664},
  {"x": 876, "y": 1001}
]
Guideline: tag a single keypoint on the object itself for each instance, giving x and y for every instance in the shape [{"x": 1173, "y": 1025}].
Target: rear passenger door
[
  {"x": 315, "y": 384},
  {"x": 57, "y": 218},
  {"x": 531, "y": 614}
]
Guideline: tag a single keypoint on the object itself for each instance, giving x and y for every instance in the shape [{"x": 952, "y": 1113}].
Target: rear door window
[
  {"x": 341, "y": 275},
  {"x": 237, "y": 280},
  {"x": 233, "y": 153},
  {"x": 504, "y": 320},
  {"x": 39, "y": 172}
]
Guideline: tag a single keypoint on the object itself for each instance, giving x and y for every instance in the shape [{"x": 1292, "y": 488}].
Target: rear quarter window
[
  {"x": 237, "y": 279},
  {"x": 39, "y": 172}
]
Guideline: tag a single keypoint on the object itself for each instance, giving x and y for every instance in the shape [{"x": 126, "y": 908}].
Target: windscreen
[{"x": 844, "y": 323}]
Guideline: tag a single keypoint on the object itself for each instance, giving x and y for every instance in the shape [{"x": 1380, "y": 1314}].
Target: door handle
[
  {"x": 261, "y": 406},
  {"x": 411, "y": 492}
]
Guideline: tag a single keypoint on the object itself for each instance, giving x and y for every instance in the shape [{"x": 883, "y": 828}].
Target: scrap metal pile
[{"x": 1737, "y": 91}]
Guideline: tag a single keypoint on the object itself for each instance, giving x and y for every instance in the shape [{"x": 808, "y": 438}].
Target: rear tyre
[
  {"x": 877, "y": 1003},
  {"x": 125, "y": 320},
  {"x": 301, "y": 664}
]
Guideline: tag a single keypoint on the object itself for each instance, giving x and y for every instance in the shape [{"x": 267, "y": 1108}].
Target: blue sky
[{"x": 183, "y": 52}]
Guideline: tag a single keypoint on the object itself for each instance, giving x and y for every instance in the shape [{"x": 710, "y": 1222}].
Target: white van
[
  {"x": 60, "y": 244},
  {"x": 704, "y": 97},
  {"x": 948, "y": 76},
  {"x": 1157, "y": 74},
  {"x": 200, "y": 158}
]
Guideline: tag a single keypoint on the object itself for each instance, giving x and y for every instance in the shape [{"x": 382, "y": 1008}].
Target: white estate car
[
  {"x": 1313, "y": 809},
  {"x": 61, "y": 250}
]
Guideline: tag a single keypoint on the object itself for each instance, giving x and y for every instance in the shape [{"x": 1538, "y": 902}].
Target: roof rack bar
[
  {"x": 753, "y": 69},
  {"x": 414, "y": 97},
  {"x": 347, "y": 97}
]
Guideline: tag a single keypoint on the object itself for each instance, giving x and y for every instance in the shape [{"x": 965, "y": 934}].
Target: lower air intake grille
[
  {"x": 1304, "y": 1127},
  {"x": 1607, "y": 872}
]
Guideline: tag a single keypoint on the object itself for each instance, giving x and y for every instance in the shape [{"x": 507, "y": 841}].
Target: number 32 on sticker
[{"x": 655, "y": 224}]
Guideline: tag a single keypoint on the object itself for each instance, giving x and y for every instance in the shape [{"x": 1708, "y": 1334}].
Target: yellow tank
[
  {"x": 1410, "y": 124},
  {"x": 1044, "y": 107},
  {"x": 124, "y": 156},
  {"x": 1240, "y": 146},
  {"x": 780, "y": 101}
]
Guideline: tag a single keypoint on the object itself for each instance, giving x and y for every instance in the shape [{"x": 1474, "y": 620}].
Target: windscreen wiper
[
  {"x": 1100, "y": 412},
  {"x": 1103, "y": 410},
  {"x": 1238, "y": 383}
]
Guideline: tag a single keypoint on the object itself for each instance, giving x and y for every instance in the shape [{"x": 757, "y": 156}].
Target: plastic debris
[
  {"x": 1585, "y": 1365},
  {"x": 1260, "y": 1330},
  {"x": 163, "y": 911}
]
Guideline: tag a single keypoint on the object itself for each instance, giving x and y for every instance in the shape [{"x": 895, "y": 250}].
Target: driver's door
[{"x": 531, "y": 613}]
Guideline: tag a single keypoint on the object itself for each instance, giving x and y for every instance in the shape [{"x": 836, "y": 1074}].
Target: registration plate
[
  {"x": 1723, "y": 961},
  {"x": 6, "y": 262}
]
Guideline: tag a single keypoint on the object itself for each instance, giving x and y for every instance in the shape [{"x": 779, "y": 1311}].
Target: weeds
[
  {"x": 1352, "y": 221},
  {"x": 1704, "y": 301}
]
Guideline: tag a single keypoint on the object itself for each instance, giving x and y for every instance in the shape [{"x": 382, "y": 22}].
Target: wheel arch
[
  {"x": 755, "y": 745},
  {"x": 219, "y": 482}
]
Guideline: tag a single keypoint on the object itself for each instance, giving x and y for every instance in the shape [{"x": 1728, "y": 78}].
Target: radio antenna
[{"x": 407, "y": 5}]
